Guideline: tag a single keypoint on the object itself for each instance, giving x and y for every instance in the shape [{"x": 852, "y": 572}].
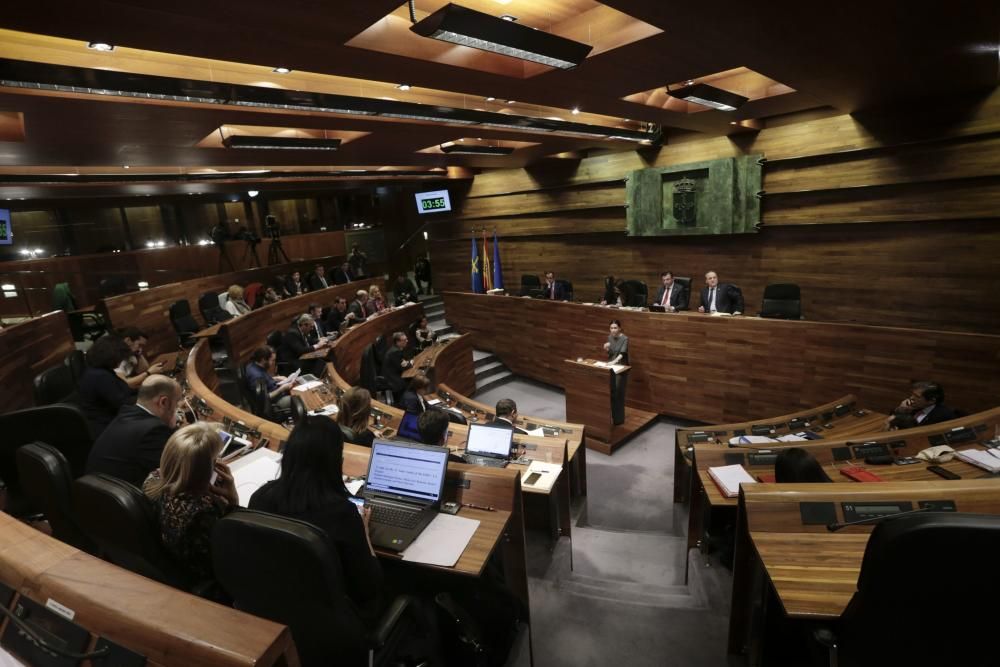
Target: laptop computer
[
  {"x": 404, "y": 486},
  {"x": 408, "y": 426},
  {"x": 488, "y": 445}
]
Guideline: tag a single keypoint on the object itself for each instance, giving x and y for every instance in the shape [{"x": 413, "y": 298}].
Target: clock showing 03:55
[{"x": 433, "y": 202}]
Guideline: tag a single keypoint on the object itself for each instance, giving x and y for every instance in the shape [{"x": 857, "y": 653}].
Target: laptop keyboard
[
  {"x": 485, "y": 461},
  {"x": 392, "y": 516}
]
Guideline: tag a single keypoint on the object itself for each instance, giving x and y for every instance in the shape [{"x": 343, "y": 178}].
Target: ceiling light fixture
[
  {"x": 469, "y": 149},
  {"x": 279, "y": 143},
  {"x": 576, "y": 110},
  {"x": 125, "y": 166},
  {"x": 709, "y": 96},
  {"x": 509, "y": 17},
  {"x": 466, "y": 27},
  {"x": 253, "y": 193},
  {"x": 101, "y": 46},
  {"x": 491, "y": 99},
  {"x": 281, "y": 70},
  {"x": 403, "y": 86}
]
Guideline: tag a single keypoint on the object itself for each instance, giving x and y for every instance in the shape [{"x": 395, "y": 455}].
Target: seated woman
[
  {"x": 415, "y": 396},
  {"x": 311, "y": 489},
  {"x": 102, "y": 387},
  {"x": 376, "y": 302},
  {"x": 188, "y": 498},
  {"x": 797, "y": 465},
  {"x": 423, "y": 335},
  {"x": 235, "y": 305},
  {"x": 262, "y": 364},
  {"x": 355, "y": 409}
]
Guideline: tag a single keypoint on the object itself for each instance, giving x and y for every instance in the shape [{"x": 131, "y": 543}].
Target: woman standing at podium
[{"x": 617, "y": 349}]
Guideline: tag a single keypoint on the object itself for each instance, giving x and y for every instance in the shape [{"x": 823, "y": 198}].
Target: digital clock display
[{"x": 433, "y": 202}]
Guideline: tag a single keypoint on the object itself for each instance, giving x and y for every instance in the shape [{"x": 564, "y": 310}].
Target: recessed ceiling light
[
  {"x": 733, "y": 122},
  {"x": 125, "y": 166},
  {"x": 101, "y": 46},
  {"x": 689, "y": 82},
  {"x": 576, "y": 110},
  {"x": 403, "y": 86},
  {"x": 509, "y": 17},
  {"x": 510, "y": 101},
  {"x": 491, "y": 99},
  {"x": 281, "y": 70}
]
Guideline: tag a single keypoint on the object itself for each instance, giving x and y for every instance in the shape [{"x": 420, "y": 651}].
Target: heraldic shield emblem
[{"x": 685, "y": 207}]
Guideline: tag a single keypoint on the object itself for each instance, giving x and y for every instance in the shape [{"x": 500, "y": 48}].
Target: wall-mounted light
[
  {"x": 32, "y": 254},
  {"x": 253, "y": 193},
  {"x": 6, "y": 287},
  {"x": 425, "y": 234},
  {"x": 150, "y": 244},
  {"x": 204, "y": 242},
  {"x": 143, "y": 285},
  {"x": 160, "y": 244}
]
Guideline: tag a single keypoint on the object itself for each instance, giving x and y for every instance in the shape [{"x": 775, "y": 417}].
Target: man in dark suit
[
  {"x": 131, "y": 445},
  {"x": 413, "y": 398},
  {"x": 319, "y": 330},
  {"x": 338, "y": 315},
  {"x": 720, "y": 297},
  {"x": 926, "y": 404},
  {"x": 672, "y": 295},
  {"x": 395, "y": 363},
  {"x": 295, "y": 343},
  {"x": 507, "y": 415},
  {"x": 359, "y": 307},
  {"x": 552, "y": 289},
  {"x": 318, "y": 279},
  {"x": 343, "y": 274}
]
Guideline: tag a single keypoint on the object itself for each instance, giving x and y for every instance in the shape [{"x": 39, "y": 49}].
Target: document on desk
[
  {"x": 326, "y": 411},
  {"x": 751, "y": 440},
  {"x": 729, "y": 478},
  {"x": 254, "y": 471},
  {"x": 353, "y": 485},
  {"x": 791, "y": 437},
  {"x": 537, "y": 432},
  {"x": 983, "y": 458},
  {"x": 442, "y": 541},
  {"x": 548, "y": 473},
  {"x": 308, "y": 385}
]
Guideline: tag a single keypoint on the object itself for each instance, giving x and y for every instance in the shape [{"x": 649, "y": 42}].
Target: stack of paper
[
  {"x": 442, "y": 541},
  {"x": 308, "y": 385},
  {"x": 984, "y": 458},
  {"x": 548, "y": 473},
  {"x": 326, "y": 410},
  {"x": 253, "y": 471},
  {"x": 791, "y": 437},
  {"x": 750, "y": 440},
  {"x": 537, "y": 432},
  {"x": 729, "y": 478}
]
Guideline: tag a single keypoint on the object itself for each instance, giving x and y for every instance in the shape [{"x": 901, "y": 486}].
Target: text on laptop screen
[
  {"x": 489, "y": 440},
  {"x": 406, "y": 471}
]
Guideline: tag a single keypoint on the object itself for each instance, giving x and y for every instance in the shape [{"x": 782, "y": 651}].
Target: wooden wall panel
[
  {"x": 348, "y": 348},
  {"x": 27, "y": 349},
  {"x": 716, "y": 370}
]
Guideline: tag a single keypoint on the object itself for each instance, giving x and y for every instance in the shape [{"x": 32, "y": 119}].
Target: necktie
[
  {"x": 711, "y": 298},
  {"x": 666, "y": 296},
  {"x": 552, "y": 289}
]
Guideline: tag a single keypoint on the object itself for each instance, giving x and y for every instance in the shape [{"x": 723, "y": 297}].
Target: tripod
[
  {"x": 275, "y": 253},
  {"x": 250, "y": 254},
  {"x": 224, "y": 258}
]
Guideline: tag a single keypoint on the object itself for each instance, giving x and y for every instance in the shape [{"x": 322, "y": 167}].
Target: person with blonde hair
[
  {"x": 376, "y": 302},
  {"x": 355, "y": 409},
  {"x": 235, "y": 304},
  {"x": 191, "y": 491}
]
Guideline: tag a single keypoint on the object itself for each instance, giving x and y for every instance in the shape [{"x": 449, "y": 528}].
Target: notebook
[
  {"x": 729, "y": 478},
  {"x": 404, "y": 486},
  {"x": 983, "y": 458}
]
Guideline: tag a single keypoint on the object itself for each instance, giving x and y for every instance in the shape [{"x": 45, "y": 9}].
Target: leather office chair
[
  {"x": 907, "y": 573},
  {"x": 76, "y": 362},
  {"x": 47, "y": 482},
  {"x": 285, "y": 570},
  {"x": 530, "y": 285},
  {"x": 112, "y": 286},
  {"x": 456, "y": 418},
  {"x": 782, "y": 301},
  {"x": 636, "y": 292},
  {"x": 686, "y": 282},
  {"x": 268, "y": 410},
  {"x": 370, "y": 378},
  {"x": 211, "y": 312},
  {"x": 299, "y": 410},
  {"x": 119, "y": 519},
  {"x": 184, "y": 323},
  {"x": 567, "y": 289},
  {"x": 54, "y": 385}
]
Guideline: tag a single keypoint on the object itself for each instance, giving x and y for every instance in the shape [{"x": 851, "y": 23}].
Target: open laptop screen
[
  {"x": 489, "y": 440},
  {"x": 409, "y": 471}
]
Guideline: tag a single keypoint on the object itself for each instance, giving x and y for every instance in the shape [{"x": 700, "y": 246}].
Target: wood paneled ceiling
[{"x": 843, "y": 56}]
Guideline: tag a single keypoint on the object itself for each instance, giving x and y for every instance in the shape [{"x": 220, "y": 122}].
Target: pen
[
  {"x": 744, "y": 440},
  {"x": 488, "y": 508}
]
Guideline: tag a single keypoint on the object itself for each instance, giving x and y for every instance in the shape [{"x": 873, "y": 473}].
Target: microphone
[{"x": 834, "y": 527}]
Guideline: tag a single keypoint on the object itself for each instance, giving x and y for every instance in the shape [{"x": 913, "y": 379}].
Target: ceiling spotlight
[
  {"x": 709, "y": 96},
  {"x": 467, "y": 27},
  {"x": 403, "y": 86},
  {"x": 288, "y": 143},
  {"x": 509, "y": 17},
  {"x": 281, "y": 70},
  {"x": 160, "y": 244},
  {"x": 253, "y": 193},
  {"x": 125, "y": 166},
  {"x": 510, "y": 101},
  {"x": 101, "y": 46},
  {"x": 576, "y": 110},
  {"x": 491, "y": 99}
]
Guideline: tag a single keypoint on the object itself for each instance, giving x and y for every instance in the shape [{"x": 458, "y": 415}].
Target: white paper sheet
[
  {"x": 537, "y": 432},
  {"x": 253, "y": 471},
  {"x": 548, "y": 474},
  {"x": 354, "y": 485},
  {"x": 308, "y": 385},
  {"x": 442, "y": 541}
]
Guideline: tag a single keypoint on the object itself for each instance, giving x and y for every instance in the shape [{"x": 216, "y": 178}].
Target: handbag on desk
[{"x": 938, "y": 454}]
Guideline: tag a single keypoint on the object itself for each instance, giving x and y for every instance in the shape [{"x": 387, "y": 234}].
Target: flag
[
  {"x": 476, "y": 270},
  {"x": 487, "y": 274},
  {"x": 497, "y": 271}
]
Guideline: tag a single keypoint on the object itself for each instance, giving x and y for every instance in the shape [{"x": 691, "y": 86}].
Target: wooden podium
[{"x": 588, "y": 398}]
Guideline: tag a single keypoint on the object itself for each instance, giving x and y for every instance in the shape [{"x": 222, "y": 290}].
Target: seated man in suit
[
  {"x": 403, "y": 291},
  {"x": 394, "y": 364},
  {"x": 343, "y": 274},
  {"x": 414, "y": 398},
  {"x": 136, "y": 340},
  {"x": 720, "y": 297},
  {"x": 318, "y": 279},
  {"x": 261, "y": 366},
  {"x": 433, "y": 427},
  {"x": 295, "y": 343},
  {"x": 319, "y": 330},
  {"x": 338, "y": 316},
  {"x": 926, "y": 404},
  {"x": 672, "y": 295},
  {"x": 507, "y": 415},
  {"x": 293, "y": 285},
  {"x": 359, "y": 307},
  {"x": 131, "y": 445},
  {"x": 552, "y": 289}
]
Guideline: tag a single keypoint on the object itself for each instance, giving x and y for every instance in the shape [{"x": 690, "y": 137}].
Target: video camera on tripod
[{"x": 271, "y": 228}]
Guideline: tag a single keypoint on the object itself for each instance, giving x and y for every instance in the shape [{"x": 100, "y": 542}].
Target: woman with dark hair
[
  {"x": 102, "y": 386},
  {"x": 423, "y": 335},
  {"x": 355, "y": 409},
  {"x": 617, "y": 349},
  {"x": 311, "y": 489},
  {"x": 795, "y": 464}
]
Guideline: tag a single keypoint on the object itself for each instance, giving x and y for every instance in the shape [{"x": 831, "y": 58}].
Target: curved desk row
[{"x": 730, "y": 369}]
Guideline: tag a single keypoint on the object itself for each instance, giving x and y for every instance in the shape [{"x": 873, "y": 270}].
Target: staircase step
[
  {"x": 486, "y": 360},
  {"x": 481, "y": 354},
  {"x": 494, "y": 381},
  {"x": 441, "y": 330},
  {"x": 436, "y": 310},
  {"x": 488, "y": 366}
]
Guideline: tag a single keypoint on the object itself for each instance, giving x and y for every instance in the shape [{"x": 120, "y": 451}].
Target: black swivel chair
[
  {"x": 299, "y": 410},
  {"x": 118, "y": 518},
  {"x": 47, "y": 483},
  {"x": 530, "y": 285},
  {"x": 54, "y": 385},
  {"x": 208, "y": 304},
  {"x": 285, "y": 570},
  {"x": 456, "y": 418},
  {"x": 567, "y": 287},
  {"x": 686, "y": 282},
  {"x": 907, "y": 573},
  {"x": 636, "y": 293},
  {"x": 371, "y": 379},
  {"x": 76, "y": 362},
  {"x": 782, "y": 301},
  {"x": 112, "y": 286},
  {"x": 184, "y": 323},
  {"x": 268, "y": 410}
]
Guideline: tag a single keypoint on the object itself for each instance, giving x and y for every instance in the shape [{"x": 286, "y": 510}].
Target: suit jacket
[
  {"x": 101, "y": 395},
  {"x": 728, "y": 299},
  {"x": 501, "y": 422},
  {"x": 360, "y": 312},
  {"x": 334, "y": 320},
  {"x": 131, "y": 445},
  {"x": 412, "y": 403},
  {"x": 559, "y": 293},
  {"x": 678, "y": 298},
  {"x": 294, "y": 288},
  {"x": 317, "y": 283},
  {"x": 315, "y": 335},
  {"x": 392, "y": 369},
  {"x": 340, "y": 276},
  {"x": 293, "y": 346},
  {"x": 940, "y": 413}
]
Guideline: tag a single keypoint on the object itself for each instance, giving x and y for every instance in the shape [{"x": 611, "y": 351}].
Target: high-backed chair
[
  {"x": 119, "y": 519},
  {"x": 54, "y": 385},
  {"x": 530, "y": 285},
  {"x": 456, "y": 418},
  {"x": 567, "y": 287},
  {"x": 47, "y": 481},
  {"x": 263, "y": 402},
  {"x": 686, "y": 282},
  {"x": 782, "y": 301},
  {"x": 184, "y": 323},
  {"x": 76, "y": 362},
  {"x": 112, "y": 286},
  {"x": 286, "y": 571},
  {"x": 211, "y": 312},
  {"x": 636, "y": 292},
  {"x": 907, "y": 573},
  {"x": 251, "y": 292},
  {"x": 299, "y": 410},
  {"x": 63, "y": 426}
]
